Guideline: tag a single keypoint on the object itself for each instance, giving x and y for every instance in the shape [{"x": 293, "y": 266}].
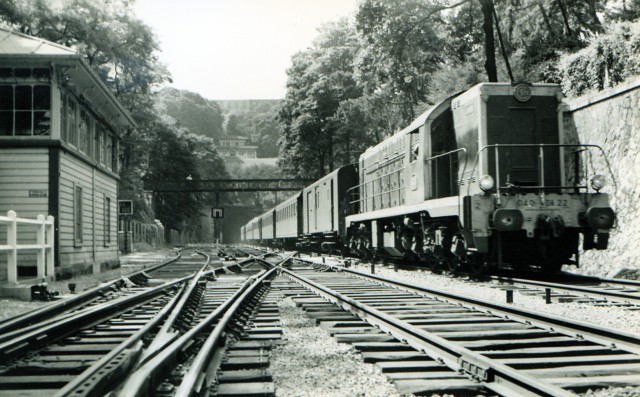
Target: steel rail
[
  {"x": 198, "y": 373},
  {"x": 32, "y": 318},
  {"x": 196, "y": 376},
  {"x": 117, "y": 362},
  {"x": 601, "y": 335},
  {"x": 141, "y": 382},
  {"x": 164, "y": 334},
  {"x": 129, "y": 354},
  {"x": 493, "y": 375},
  {"x": 575, "y": 288},
  {"x": 58, "y": 328}
]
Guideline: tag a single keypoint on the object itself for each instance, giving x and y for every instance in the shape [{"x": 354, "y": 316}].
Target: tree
[
  {"x": 319, "y": 79},
  {"x": 121, "y": 50},
  {"x": 190, "y": 110},
  {"x": 178, "y": 155},
  {"x": 402, "y": 48}
]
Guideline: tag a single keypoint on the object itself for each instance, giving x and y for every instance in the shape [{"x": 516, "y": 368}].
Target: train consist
[{"x": 483, "y": 179}]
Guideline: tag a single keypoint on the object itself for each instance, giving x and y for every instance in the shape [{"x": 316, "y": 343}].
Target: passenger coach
[
  {"x": 324, "y": 206},
  {"x": 288, "y": 218}
]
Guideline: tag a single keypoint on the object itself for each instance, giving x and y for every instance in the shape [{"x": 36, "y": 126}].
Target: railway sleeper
[{"x": 411, "y": 371}]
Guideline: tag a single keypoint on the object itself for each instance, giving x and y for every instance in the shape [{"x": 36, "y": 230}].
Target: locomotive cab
[{"x": 525, "y": 191}]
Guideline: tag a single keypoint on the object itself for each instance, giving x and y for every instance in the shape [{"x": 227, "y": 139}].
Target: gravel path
[
  {"x": 129, "y": 264},
  {"x": 312, "y": 363}
]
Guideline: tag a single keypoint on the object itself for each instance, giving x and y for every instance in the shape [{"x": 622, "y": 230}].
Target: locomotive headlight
[
  {"x": 598, "y": 182},
  {"x": 486, "y": 183}
]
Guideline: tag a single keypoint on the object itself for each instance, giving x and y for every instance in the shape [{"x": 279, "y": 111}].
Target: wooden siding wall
[
  {"x": 23, "y": 170},
  {"x": 96, "y": 185}
]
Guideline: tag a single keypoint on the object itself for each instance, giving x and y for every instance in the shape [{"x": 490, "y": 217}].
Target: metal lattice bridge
[{"x": 229, "y": 185}]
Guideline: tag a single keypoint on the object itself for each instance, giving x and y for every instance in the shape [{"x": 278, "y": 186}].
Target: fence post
[
  {"x": 50, "y": 228},
  {"x": 12, "y": 242},
  {"x": 41, "y": 250}
]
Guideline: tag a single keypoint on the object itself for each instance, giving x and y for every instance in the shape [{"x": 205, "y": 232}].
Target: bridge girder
[{"x": 229, "y": 185}]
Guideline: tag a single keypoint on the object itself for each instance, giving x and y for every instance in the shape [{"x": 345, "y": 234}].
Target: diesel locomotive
[{"x": 483, "y": 179}]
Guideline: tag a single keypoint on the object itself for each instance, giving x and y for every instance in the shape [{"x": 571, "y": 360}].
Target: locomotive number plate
[{"x": 546, "y": 203}]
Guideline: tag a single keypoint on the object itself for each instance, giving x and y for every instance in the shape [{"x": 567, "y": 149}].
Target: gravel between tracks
[
  {"x": 312, "y": 363},
  {"x": 610, "y": 316}
]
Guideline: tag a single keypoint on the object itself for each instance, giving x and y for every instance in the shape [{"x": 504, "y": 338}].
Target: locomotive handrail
[
  {"x": 373, "y": 196},
  {"x": 541, "y": 171},
  {"x": 449, "y": 154}
]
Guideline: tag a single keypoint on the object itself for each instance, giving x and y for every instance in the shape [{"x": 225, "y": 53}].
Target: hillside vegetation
[{"x": 368, "y": 76}]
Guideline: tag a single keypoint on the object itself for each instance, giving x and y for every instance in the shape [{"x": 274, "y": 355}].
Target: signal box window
[
  {"x": 25, "y": 110},
  {"x": 77, "y": 216},
  {"x": 107, "y": 221}
]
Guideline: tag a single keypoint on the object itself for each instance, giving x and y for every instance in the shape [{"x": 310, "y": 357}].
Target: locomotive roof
[
  {"x": 415, "y": 124},
  {"x": 327, "y": 177}
]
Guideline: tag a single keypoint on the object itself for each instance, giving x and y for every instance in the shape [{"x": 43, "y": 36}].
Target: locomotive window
[{"x": 414, "y": 145}]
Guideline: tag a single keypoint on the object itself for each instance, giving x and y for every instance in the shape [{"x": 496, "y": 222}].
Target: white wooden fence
[{"x": 43, "y": 246}]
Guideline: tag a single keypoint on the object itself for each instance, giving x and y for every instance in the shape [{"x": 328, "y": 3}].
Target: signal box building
[{"x": 60, "y": 130}]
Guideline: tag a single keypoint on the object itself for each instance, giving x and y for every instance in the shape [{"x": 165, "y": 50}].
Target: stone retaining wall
[{"x": 611, "y": 119}]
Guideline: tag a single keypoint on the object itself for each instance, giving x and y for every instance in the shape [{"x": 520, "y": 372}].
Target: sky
[{"x": 236, "y": 49}]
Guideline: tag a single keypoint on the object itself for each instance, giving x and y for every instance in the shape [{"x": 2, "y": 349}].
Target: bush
[{"x": 608, "y": 60}]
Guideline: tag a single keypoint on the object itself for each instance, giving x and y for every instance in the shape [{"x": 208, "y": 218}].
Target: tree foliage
[
  {"x": 608, "y": 60},
  {"x": 121, "y": 49},
  {"x": 319, "y": 79},
  {"x": 408, "y": 54},
  {"x": 260, "y": 126},
  {"x": 190, "y": 110},
  {"x": 179, "y": 155}
]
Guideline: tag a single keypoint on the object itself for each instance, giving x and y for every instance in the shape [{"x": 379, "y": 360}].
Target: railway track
[
  {"x": 428, "y": 341},
  {"x": 559, "y": 287},
  {"x": 592, "y": 290},
  {"x": 82, "y": 351},
  {"x": 211, "y": 332},
  {"x": 95, "y": 296}
]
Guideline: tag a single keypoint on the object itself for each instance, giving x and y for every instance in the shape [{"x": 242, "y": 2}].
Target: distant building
[
  {"x": 60, "y": 132},
  {"x": 236, "y": 145},
  {"x": 246, "y": 105}
]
